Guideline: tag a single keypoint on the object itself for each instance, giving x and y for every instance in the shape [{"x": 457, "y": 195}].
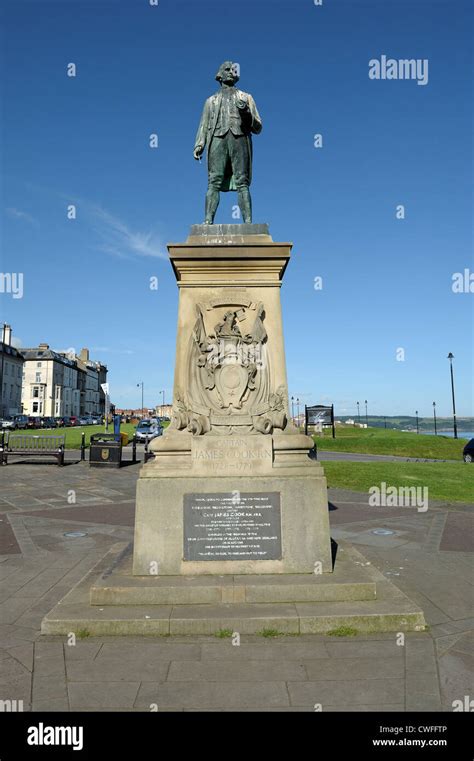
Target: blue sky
[{"x": 387, "y": 282}]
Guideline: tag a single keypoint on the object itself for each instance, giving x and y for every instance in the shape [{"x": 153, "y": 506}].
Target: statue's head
[{"x": 227, "y": 73}]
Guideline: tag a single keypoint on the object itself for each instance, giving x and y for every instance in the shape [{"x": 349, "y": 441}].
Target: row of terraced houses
[{"x": 41, "y": 382}]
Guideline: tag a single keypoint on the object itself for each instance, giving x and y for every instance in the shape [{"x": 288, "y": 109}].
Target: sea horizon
[{"x": 461, "y": 434}]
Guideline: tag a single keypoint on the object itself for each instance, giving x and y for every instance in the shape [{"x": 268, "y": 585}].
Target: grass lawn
[
  {"x": 387, "y": 441},
  {"x": 74, "y": 435},
  {"x": 446, "y": 481}
]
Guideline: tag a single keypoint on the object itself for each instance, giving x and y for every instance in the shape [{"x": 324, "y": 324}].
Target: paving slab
[
  {"x": 360, "y": 648},
  {"x": 46, "y": 687},
  {"x": 150, "y": 648},
  {"x": 50, "y": 667},
  {"x": 51, "y": 705},
  {"x": 456, "y": 677},
  {"x": 273, "y": 650},
  {"x": 12, "y": 669},
  {"x": 214, "y": 695},
  {"x": 108, "y": 695},
  {"x": 24, "y": 654},
  {"x": 144, "y": 669},
  {"x": 349, "y": 692},
  {"x": 354, "y": 668},
  {"x": 234, "y": 671},
  {"x": 80, "y": 650}
]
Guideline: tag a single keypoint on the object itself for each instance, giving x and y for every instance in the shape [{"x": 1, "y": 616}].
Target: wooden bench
[{"x": 32, "y": 446}]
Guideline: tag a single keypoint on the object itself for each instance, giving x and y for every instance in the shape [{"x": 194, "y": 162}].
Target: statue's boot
[
  {"x": 245, "y": 205},
  {"x": 212, "y": 202}
]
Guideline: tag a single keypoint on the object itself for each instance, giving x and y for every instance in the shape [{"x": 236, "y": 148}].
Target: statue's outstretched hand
[{"x": 198, "y": 153}]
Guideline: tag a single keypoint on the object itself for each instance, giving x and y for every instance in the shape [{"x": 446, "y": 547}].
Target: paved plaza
[{"x": 428, "y": 556}]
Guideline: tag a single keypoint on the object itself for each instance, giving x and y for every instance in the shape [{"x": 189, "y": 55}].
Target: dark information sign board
[
  {"x": 318, "y": 414},
  {"x": 232, "y": 526}
]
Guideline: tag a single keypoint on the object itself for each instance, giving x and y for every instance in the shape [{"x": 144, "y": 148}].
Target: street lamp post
[
  {"x": 162, "y": 402},
  {"x": 434, "y": 415},
  {"x": 293, "y": 409},
  {"x": 455, "y": 426},
  {"x": 366, "y": 418},
  {"x": 358, "y": 413},
  {"x": 417, "y": 427},
  {"x": 142, "y": 385},
  {"x": 298, "y": 411}
]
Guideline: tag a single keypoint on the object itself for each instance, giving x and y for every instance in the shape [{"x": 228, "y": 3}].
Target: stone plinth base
[
  {"x": 111, "y": 601},
  {"x": 304, "y": 529}
]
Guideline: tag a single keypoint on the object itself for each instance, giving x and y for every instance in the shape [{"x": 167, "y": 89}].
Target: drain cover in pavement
[
  {"x": 75, "y": 534},
  {"x": 382, "y": 532}
]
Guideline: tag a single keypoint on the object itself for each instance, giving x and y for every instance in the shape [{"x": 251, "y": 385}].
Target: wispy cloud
[
  {"x": 118, "y": 239},
  {"x": 23, "y": 215}
]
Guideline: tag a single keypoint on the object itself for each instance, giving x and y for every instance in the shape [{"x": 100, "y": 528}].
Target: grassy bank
[
  {"x": 450, "y": 482},
  {"x": 386, "y": 441}
]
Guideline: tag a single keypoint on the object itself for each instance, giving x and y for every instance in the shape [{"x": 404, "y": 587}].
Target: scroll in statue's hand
[{"x": 198, "y": 153}]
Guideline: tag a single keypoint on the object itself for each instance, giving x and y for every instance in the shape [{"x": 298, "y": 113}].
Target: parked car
[
  {"x": 7, "y": 424},
  {"x": 66, "y": 420},
  {"x": 48, "y": 422},
  {"x": 96, "y": 420},
  {"x": 83, "y": 420},
  {"x": 147, "y": 430},
  {"x": 468, "y": 451},
  {"x": 21, "y": 421},
  {"x": 73, "y": 420},
  {"x": 34, "y": 421}
]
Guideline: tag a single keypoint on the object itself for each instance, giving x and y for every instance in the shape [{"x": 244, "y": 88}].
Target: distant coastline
[
  {"x": 461, "y": 434},
  {"x": 409, "y": 424}
]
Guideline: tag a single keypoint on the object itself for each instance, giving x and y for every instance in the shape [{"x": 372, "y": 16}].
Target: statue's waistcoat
[{"x": 228, "y": 116}]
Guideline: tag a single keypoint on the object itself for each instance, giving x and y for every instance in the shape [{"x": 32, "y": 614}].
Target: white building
[
  {"x": 11, "y": 374},
  {"x": 50, "y": 383},
  {"x": 90, "y": 380},
  {"x": 164, "y": 410}
]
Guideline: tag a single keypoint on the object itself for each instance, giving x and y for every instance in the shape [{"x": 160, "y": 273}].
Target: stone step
[
  {"x": 121, "y": 588},
  {"x": 390, "y": 611},
  {"x": 181, "y": 593},
  {"x": 286, "y": 618}
]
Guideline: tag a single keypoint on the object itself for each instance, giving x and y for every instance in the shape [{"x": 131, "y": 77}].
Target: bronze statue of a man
[{"x": 228, "y": 120}]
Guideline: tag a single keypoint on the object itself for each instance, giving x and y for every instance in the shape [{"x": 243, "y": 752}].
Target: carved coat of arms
[{"x": 228, "y": 383}]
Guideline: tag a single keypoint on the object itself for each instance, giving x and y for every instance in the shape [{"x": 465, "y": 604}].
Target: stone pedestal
[
  {"x": 231, "y": 527},
  {"x": 299, "y": 525},
  {"x": 231, "y": 488}
]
